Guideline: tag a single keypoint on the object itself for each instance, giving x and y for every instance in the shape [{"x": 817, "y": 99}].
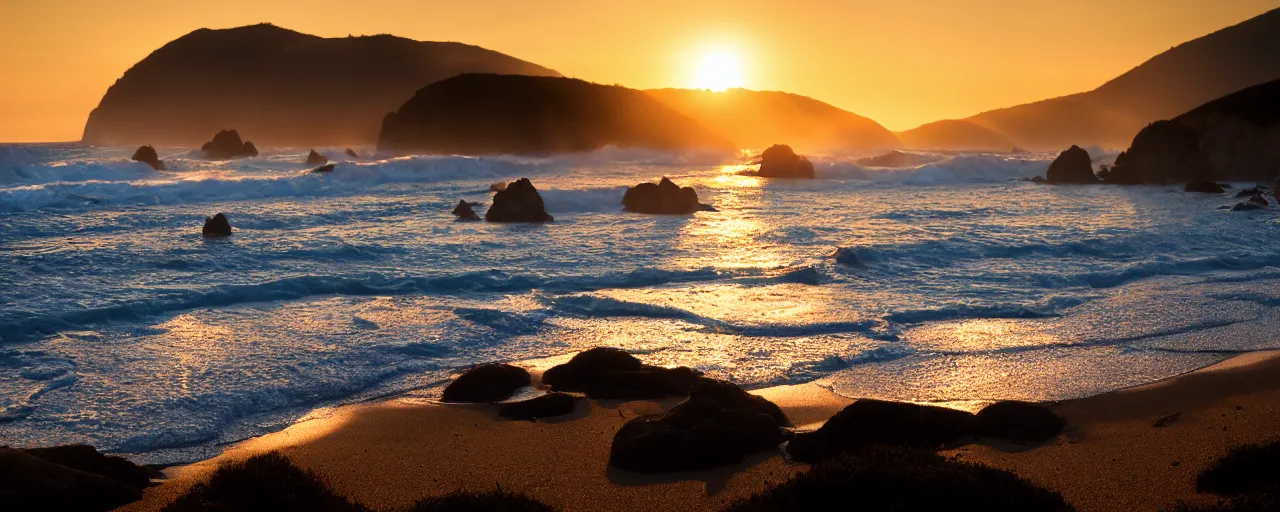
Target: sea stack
[
  {"x": 464, "y": 211},
  {"x": 1072, "y": 166},
  {"x": 519, "y": 202},
  {"x": 780, "y": 161},
  {"x": 665, "y": 198},
  {"x": 147, "y": 155},
  {"x": 227, "y": 145},
  {"x": 314, "y": 158},
  {"x": 216, "y": 227},
  {"x": 351, "y": 153}
]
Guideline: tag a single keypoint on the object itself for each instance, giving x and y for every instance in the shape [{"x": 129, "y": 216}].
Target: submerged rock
[
  {"x": 314, "y": 158},
  {"x": 351, "y": 153},
  {"x": 1072, "y": 166},
  {"x": 1023, "y": 422},
  {"x": 326, "y": 168},
  {"x": 71, "y": 477},
  {"x": 665, "y": 198},
  {"x": 549, "y": 405},
  {"x": 518, "y": 202},
  {"x": 487, "y": 383},
  {"x": 147, "y": 155},
  {"x": 846, "y": 256},
  {"x": 464, "y": 211},
  {"x": 779, "y": 161},
  {"x": 612, "y": 373},
  {"x": 719, "y": 424},
  {"x": 227, "y": 145},
  {"x": 1250, "y": 192},
  {"x": 868, "y": 422},
  {"x": 216, "y": 226},
  {"x": 1204, "y": 187}
]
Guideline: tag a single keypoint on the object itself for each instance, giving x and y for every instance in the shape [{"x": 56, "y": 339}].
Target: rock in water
[
  {"x": 1071, "y": 166},
  {"x": 216, "y": 226},
  {"x": 779, "y": 161},
  {"x": 351, "y": 153},
  {"x": 549, "y": 405},
  {"x": 487, "y": 383},
  {"x": 610, "y": 373},
  {"x": 1250, "y": 192},
  {"x": 664, "y": 198},
  {"x": 519, "y": 202},
  {"x": 314, "y": 158},
  {"x": 147, "y": 155},
  {"x": 1257, "y": 202},
  {"x": 718, "y": 425},
  {"x": 227, "y": 145},
  {"x": 326, "y": 168},
  {"x": 1204, "y": 187},
  {"x": 1163, "y": 152},
  {"x": 464, "y": 211}
]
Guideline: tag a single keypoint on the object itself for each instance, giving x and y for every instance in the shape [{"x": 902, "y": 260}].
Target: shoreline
[{"x": 390, "y": 453}]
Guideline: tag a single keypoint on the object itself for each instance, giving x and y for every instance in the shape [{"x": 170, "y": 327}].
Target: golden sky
[{"x": 900, "y": 62}]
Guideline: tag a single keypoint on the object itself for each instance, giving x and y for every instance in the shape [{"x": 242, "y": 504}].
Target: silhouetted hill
[
  {"x": 759, "y": 119},
  {"x": 1170, "y": 83},
  {"x": 278, "y": 87},
  {"x": 488, "y": 114},
  {"x": 955, "y": 134}
]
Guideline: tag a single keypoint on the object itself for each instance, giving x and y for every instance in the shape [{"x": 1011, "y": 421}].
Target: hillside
[
  {"x": 955, "y": 134},
  {"x": 512, "y": 114},
  {"x": 758, "y": 119},
  {"x": 278, "y": 87}
]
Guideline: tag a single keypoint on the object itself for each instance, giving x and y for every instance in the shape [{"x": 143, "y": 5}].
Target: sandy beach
[{"x": 1134, "y": 449}]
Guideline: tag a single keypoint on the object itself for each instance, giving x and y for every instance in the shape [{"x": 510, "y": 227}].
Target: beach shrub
[
  {"x": 492, "y": 501},
  {"x": 1248, "y": 476},
  {"x": 902, "y": 478},
  {"x": 267, "y": 482}
]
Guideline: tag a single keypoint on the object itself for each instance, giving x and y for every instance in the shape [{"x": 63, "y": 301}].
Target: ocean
[{"x": 956, "y": 281}]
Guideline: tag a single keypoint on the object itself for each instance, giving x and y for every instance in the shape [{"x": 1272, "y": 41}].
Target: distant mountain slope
[
  {"x": 758, "y": 119},
  {"x": 955, "y": 134},
  {"x": 1170, "y": 83},
  {"x": 511, "y": 114},
  {"x": 278, "y": 87}
]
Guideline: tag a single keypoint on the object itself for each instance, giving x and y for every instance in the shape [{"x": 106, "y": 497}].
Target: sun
[{"x": 718, "y": 71}]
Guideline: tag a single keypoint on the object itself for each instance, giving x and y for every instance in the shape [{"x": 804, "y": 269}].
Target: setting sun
[{"x": 719, "y": 71}]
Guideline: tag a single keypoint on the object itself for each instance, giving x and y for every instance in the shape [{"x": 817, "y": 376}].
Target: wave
[
  {"x": 957, "y": 169},
  {"x": 590, "y": 200}
]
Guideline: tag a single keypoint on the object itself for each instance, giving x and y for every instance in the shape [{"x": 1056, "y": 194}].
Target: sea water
[{"x": 953, "y": 281}]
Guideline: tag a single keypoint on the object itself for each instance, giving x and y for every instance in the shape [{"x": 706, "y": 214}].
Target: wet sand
[{"x": 1112, "y": 456}]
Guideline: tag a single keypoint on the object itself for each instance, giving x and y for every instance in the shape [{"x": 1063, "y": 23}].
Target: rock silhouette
[
  {"x": 487, "y": 383},
  {"x": 549, "y": 405},
  {"x": 227, "y": 145},
  {"x": 509, "y": 114},
  {"x": 464, "y": 211},
  {"x": 314, "y": 158},
  {"x": 216, "y": 226},
  {"x": 147, "y": 155},
  {"x": 1257, "y": 202},
  {"x": 779, "y": 161},
  {"x": 1071, "y": 166},
  {"x": 1204, "y": 187},
  {"x": 518, "y": 202},
  {"x": 610, "y": 373},
  {"x": 351, "y": 153},
  {"x": 663, "y": 198},
  {"x": 69, "y": 477},
  {"x": 324, "y": 169}
]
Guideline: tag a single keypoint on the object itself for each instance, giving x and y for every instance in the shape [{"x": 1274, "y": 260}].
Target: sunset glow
[{"x": 719, "y": 71}]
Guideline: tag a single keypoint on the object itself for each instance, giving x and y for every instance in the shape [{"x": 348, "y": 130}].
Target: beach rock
[
  {"x": 1072, "y": 166},
  {"x": 868, "y": 422},
  {"x": 1022, "y": 422},
  {"x": 147, "y": 155},
  {"x": 846, "y": 256},
  {"x": 351, "y": 153},
  {"x": 779, "y": 161},
  {"x": 1204, "y": 187},
  {"x": 1163, "y": 152},
  {"x": 610, "y": 373},
  {"x": 314, "y": 158},
  {"x": 67, "y": 478},
  {"x": 718, "y": 425},
  {"x": 216, "y": 226},
  {"x": 546, "y": 406},
  {"x": 227, "y": 145},
  {"x": 487, "y": 383},
  {"x": 518, "y": 202},
  {"x": 665, "y": 198},
  {"x": 464, "y": 211},
  {"x": 1250, "y": 192},
  {"x": 1257, "y": 202},
  {"x": 326, "y": 168}
]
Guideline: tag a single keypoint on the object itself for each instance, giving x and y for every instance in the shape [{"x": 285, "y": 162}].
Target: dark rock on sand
[
  {"x": 216, "y": 226},
  {"x": 326, "y": 168},
  {"x": 610, "y": 373},
  {"x": 314, "y": 158},
  {"x": 518, "y": 202},
  {"x": 227, "y": 145},
  {"x": 868, "y": 422},
  {"x": 779, "y": 161},
  {"x": 546, "y": 406},
  {"x": 464, "y": 211},
  {"x": 1071, "y": 166},
  {"x": 1020, "y": 421},
  {"x": 351, "y": 153},
  {"x": 147, "y": 155},
  {"x": 718, "y": 425},
  {"x": 67, "y": 478},
  {"x": 665, "y": 198},
  {"x": 1204, "y": 187},
  {"x": 487, "y": 383}
]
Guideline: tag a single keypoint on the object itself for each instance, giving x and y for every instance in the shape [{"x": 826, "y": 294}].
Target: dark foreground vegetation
[{"x": 1247, "y": 480}]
